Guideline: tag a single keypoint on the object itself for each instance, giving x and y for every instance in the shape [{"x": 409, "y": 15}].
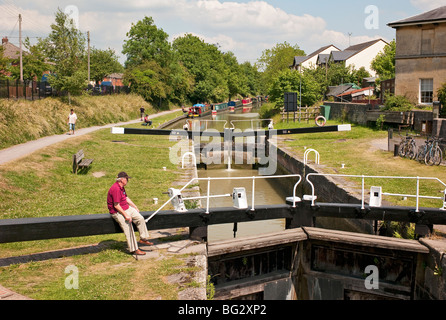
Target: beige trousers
[{"x": 140, "y": 223}]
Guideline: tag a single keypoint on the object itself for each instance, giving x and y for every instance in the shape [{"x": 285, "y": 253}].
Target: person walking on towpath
[
  {"x": 72, "y": 118},
  {"x": 142, "y": 110},
  {"x": 125, "y": 212}
]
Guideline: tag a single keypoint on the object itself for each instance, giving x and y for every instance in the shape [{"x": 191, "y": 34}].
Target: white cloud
[
  {"x": 33, "y": 22},
  {"x": 245, "y": 28},
  {"x": 427, "y": 5}
]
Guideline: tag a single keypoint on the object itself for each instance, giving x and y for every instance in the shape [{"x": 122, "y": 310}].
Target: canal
[{"x": 267, "y": 191}]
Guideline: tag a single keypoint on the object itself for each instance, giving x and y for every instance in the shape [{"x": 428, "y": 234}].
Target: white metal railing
[
  {"x": 363, "y": 177},
  {"x": 307, "y": 153},
  {"x": 194, "y": 159},
  {"x": 206, "y": 122},
  {"x": 252, "y": 122},
  {"x": 209, "y": 196}
]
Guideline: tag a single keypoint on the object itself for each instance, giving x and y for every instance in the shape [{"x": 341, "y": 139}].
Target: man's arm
[
  {"x": 121, "y": 211},
  {"x": 130, "y": 202}
]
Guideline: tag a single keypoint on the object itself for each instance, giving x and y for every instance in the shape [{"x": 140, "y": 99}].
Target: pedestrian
[
  {"x": 147, "y": 121},
  {"x": 142, "y": 110},
  {"x": 72, "y": 118},
  {"x": 125, "y": 212}
]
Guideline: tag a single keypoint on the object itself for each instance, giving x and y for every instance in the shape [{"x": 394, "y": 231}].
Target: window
[{"x": 427, "y": 91}]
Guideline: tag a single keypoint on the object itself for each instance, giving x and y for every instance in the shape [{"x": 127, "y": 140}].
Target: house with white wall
[
  {"x": 311, "y": 60},
  {"x": 360, "y": 55}
]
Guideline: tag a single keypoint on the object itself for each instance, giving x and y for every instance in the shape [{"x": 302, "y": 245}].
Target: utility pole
[
  {"x": 88, "y": 36},
  {"x": 21, "y": 51}
]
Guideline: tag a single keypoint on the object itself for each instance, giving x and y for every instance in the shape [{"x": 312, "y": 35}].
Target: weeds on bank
[{"x": 22, "y": 120}]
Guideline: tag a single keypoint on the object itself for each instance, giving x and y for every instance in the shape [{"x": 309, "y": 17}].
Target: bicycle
[
  {"x": 407, "y": 148},
  {"x": 434, "y": 154},
  {"x": 422, "y": 151}
]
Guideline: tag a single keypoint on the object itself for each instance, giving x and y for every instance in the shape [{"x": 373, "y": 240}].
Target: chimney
[{"x": 5, "y": 40}]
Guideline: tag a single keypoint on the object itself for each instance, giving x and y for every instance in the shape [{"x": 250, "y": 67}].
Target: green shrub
[
  {"x": 268, "y": 111},
  {"x": 398, "y": 103},
  {"x": 442, "y": 98}
]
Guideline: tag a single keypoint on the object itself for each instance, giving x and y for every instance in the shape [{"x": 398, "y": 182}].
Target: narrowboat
[
  {"x": 234, "y": 105},
  {"x": 247, "y": 101},
  {"x": 221, "y": 106},
  {"x": 198, "y": 110}
]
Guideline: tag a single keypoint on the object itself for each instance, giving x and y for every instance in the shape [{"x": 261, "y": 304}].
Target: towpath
[{"x": 24, "y": 149}]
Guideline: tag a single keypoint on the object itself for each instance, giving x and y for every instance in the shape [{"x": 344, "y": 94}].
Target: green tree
[
  {"x": 103, "y": 63},
  {"x": 442, "y": 98},
  {"x": 339, "y": 73},
  {"x": 253, "y": 77},
  {"x": 384, "y": 63},
  {"x": 275, "y": 60},
  {"x": 207, "y": 66},
  {"x": 292, "y": 81},
  {"x": 34, "y": 62},
  {"x": 148, "y": 79},
  {"x": 4, "y": 63},
  {"x": 182, "y": 83},
  {"x": 359, "y": 75},
  {"x": 236, "y": 78},
  {"x": 152, "y": 68},
  {"x": 320, "y": 76},
  {"x": 65, "y": 48},
  {"x": 146, "y": 42}
]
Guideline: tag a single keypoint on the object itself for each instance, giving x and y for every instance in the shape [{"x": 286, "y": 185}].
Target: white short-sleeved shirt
[{"x": 72, "y": 118}]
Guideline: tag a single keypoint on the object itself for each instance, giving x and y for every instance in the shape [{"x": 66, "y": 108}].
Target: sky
[{"x": 245, "y": 27}]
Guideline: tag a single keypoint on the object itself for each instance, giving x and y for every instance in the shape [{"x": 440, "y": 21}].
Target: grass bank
[
  {"x": 22, "y": 120},
  {"x": 357, "y": 151},
  {"x": 42, "y": 185}
]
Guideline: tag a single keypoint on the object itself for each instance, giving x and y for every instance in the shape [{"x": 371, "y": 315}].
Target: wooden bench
[{"x": 79, "y": 162}]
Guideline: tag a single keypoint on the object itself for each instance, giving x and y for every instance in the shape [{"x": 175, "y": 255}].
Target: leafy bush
[
  {"x": 442, "y": 94},
  {"x": 292, "y": 81},
  {"x": 268, "y": 111},
  {"x": 398, "y": 103}
]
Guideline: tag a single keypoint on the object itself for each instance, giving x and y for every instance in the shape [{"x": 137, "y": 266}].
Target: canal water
[{"x": 267, "y": 191}]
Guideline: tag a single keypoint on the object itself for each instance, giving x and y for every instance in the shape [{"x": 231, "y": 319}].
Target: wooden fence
[{"x": 304, "y": 114}]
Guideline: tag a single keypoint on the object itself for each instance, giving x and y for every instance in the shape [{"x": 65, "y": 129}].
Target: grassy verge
[
  {"x": 42, "y": 185},
  {"x": 108, "y": 275},
  {"x": 22, "y": 120},
  {"x": 356, "y": 150}
]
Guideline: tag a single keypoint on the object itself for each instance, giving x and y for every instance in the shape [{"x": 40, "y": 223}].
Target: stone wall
[
  {"x": 327, "y": 189},
  {"x": 439, "y": 128},
  {"x": 350, "y": 112},
  {"x": 363, "y": 114},
  {"x": 430, "y": 275}
]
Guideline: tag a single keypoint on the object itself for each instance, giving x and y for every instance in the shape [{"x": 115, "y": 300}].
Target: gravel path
[{"x": 24, "y": 149}]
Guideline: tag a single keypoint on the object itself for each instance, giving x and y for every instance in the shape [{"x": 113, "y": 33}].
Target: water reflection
[{"x": 266, "y": 192}]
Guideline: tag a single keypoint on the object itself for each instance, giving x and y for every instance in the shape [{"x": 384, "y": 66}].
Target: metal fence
[{"x": 35, "y": 90}]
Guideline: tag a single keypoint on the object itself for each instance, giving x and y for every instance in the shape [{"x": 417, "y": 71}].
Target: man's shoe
[
  {"x": 145, "y": 243},
  {"x": 138, "y": 253}
]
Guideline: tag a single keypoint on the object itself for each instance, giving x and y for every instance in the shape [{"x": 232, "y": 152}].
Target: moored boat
[
  {"x": 247, "y": 102},
  {"x": 234, "y": 105},
  {"x": 198, "y": 110}
]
